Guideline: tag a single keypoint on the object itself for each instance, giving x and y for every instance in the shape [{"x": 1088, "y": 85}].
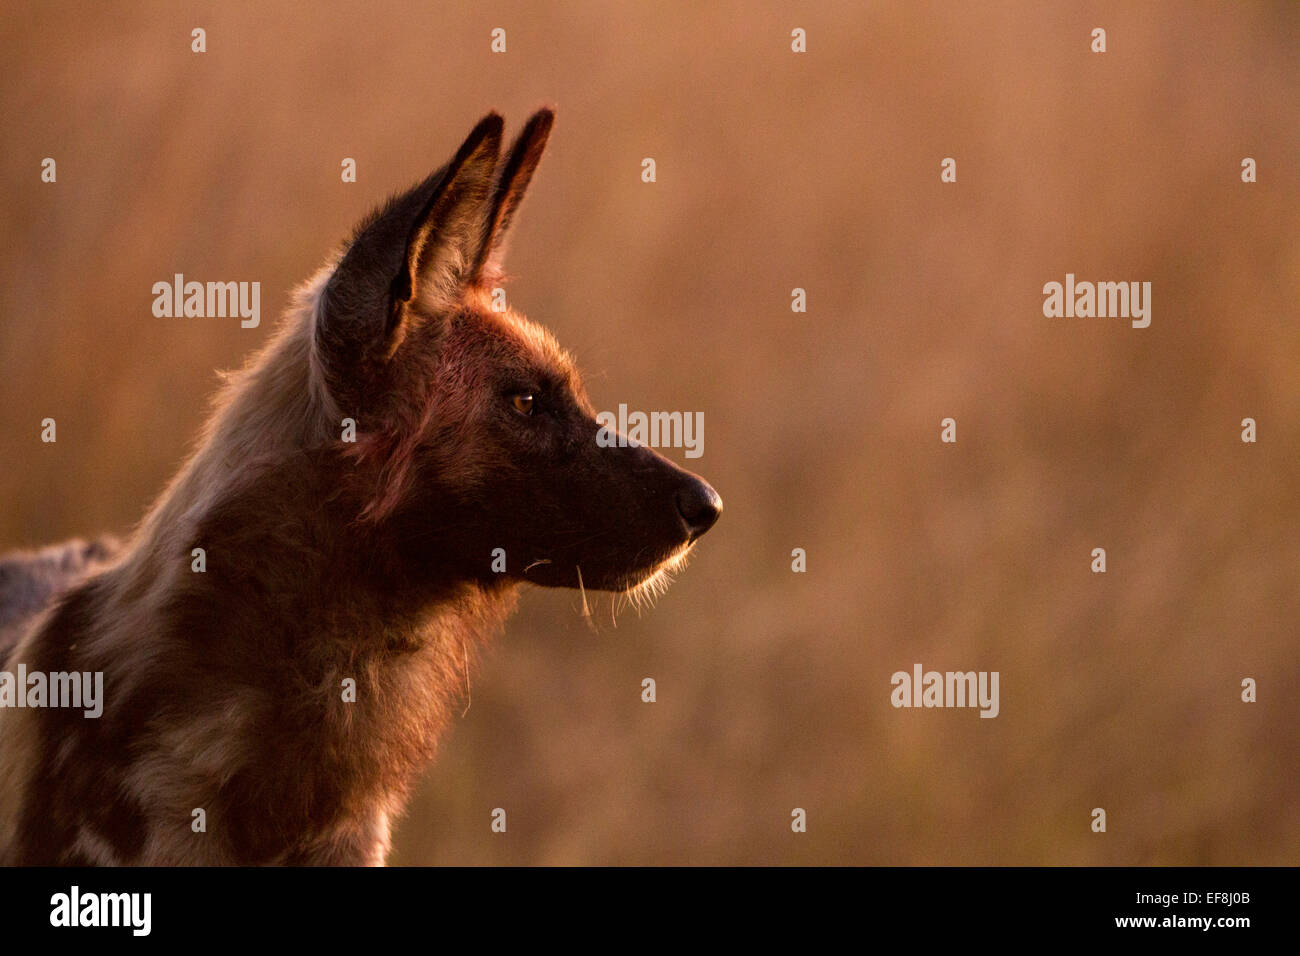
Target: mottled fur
[{"x": 30, "y": 581}]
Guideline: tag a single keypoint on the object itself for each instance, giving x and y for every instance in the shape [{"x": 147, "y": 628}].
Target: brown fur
[{"x": 329, "y": 560}]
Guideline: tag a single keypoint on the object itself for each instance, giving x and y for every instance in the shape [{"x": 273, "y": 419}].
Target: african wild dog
[{"x": 328, "y": 559}]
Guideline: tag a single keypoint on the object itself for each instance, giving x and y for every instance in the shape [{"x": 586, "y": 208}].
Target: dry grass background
[{"x": 775, "y": 171}]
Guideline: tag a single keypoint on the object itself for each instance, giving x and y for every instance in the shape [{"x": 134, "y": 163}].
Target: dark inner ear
[
  {"x": 512, "y": 182},
  {"x": 365, "y": 300},
  {"x": 400, "y": 293}
]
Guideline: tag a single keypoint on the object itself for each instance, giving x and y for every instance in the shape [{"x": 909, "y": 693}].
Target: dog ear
[
  {"x": 418, "y": 249},
  {"x": 448, "y": 236},
  {"x": 512, "y": 181}
]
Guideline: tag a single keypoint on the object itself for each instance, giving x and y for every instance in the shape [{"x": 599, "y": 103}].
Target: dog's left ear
[
  {"x": 416, "y": 250},
  {"x": 512, "y": 181},
  {"x": 445, "y": 242}
]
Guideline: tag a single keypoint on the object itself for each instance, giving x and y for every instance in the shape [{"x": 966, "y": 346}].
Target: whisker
[
  {"x": 469, "y": 697},
  {"x": 586, "y": 609}
]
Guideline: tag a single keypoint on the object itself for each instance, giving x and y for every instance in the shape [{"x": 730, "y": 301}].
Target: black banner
[{"x": 172, "y": 906}]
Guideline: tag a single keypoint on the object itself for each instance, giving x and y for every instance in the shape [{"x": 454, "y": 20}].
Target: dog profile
[{"x": 285, "y": 634}]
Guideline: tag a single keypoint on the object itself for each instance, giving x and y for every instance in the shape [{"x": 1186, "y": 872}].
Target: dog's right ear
[
  {"x": 407, "y": 260},
  {"x": 513, "y": 177}
]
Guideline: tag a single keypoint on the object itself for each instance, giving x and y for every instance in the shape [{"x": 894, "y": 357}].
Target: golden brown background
[{"x": 775, "y": 170}]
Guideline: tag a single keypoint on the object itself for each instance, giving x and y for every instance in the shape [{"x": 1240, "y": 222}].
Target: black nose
[{"x": 699, "y": 506}]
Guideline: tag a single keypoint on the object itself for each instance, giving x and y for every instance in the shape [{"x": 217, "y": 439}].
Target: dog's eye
[{"x": 523, "y": 402}]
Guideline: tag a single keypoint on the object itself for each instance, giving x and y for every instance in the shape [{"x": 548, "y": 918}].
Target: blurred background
[{"x": 775, "y": 171}]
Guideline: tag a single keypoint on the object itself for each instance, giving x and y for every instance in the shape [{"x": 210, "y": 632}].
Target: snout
[
  {"x": 624, "y": 516},
  {"x": 699, "y": 506}
]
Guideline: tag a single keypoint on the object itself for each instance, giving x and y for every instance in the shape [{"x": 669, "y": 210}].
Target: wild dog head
[{"x": 474, "y": 429}]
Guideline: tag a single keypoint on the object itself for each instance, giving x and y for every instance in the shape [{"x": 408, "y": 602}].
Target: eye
[{"x": 523, "y": 402}]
